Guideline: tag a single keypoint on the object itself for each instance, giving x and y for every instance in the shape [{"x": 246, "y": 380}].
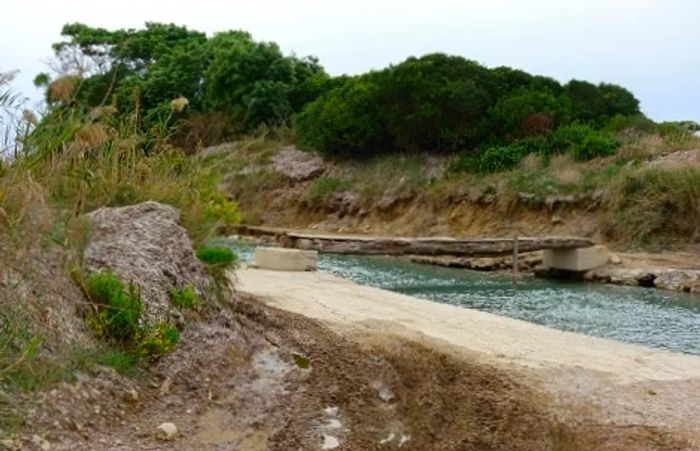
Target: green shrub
[
  {"x": 501, "y": 158},
  {"x": 216, "y": 255},
  {"x": 185, "y": 298},
  {"x": 583, "y": 141},
  {"x": 157, "y": 339},
  {"x": 119, "y": 317},
  {"x": 324, "y": 187},
  {"x": 120, "y": 309}
]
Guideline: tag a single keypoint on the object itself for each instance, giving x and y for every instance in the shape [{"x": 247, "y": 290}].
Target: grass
[
  {"x": 654, "y": 206},
  {"x": 324, "y": 187},
  {"x": 390, "y": 176},
  {"x": 186, "y": 298}
]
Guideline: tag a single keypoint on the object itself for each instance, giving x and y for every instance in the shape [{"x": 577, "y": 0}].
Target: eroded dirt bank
[
  {"x": 264, "y": 378},
  {"x": 578, "y": 382}
]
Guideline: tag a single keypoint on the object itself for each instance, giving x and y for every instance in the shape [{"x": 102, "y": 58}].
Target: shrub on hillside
[{"x": 583, "y": 142}]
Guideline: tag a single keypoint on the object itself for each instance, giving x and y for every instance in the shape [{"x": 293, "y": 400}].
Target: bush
[
  {"x": 185, "y": 298},
  {"x": 216, "y": 255},
  {"x": 584, "y": 142},
  {"x": 157, "y": 339},
  {"x": 501, "y": 158}
]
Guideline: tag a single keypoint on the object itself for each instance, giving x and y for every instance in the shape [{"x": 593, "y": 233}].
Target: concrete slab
[
  {"x": 577, "y": 260},
  {"x": 281, "y": 259}
]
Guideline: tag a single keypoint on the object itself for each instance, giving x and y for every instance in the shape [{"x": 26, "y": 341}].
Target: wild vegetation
[{"x": 126, "y": 110}]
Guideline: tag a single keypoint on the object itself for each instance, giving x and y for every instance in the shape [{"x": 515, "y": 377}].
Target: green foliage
[
  {"x": 220, "y": 209},
  {"x": 527, "y": 112},
  {"x": 186, "y": 298},
  {"x": 345, "y": 121},
  {"x": 120, "y": 308},
  {"x": 155, "y": 340},
  {"x": 119, "y": 317},
  {"x": 584, "y": 142},
  {"x": 143, "y": 70},
  {"x": 446, "y": 103},
  {"x": 219, "y": 256},
  {"x": 123, "y": 361},
  {"x": 324, "y": 187},
  {"x": 501, "y": 158}
]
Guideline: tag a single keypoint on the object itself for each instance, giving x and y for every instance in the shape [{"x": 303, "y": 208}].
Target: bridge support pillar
[{"x": 576, "y": 259}]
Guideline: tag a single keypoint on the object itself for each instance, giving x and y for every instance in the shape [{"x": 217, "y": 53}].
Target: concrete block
[
  {"x": 577, "y": 259},
  {"x": 282, "y": 259}
]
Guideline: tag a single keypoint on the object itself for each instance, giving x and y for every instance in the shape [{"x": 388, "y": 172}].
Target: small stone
[
  {"x": 41, "y": 443},
  {"x": 131, "y": 396},
  {"x": 557, "y": 220},
  {"x": 166, "y": 431},
  {"x": 165, "y": 387},
  {"x": 615, "y": 260}
]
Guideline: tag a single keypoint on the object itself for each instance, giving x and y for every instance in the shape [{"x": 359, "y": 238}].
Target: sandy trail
[{"x": 614, "y": 382}]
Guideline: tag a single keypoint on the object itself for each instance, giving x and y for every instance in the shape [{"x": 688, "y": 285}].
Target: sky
[{"x": 649, "y": 46}]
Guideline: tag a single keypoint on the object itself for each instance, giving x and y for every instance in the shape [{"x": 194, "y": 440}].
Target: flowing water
[{"x": 661, "y": 319}]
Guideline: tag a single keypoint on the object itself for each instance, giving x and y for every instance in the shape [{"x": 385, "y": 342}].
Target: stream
[{"x": 661, "y": 319}]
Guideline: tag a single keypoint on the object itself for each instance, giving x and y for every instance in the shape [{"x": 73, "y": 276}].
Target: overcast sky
[{"x": 649, "y": 46}]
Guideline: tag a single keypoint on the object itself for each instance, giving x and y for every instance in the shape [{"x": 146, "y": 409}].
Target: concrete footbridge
[{"x": 560, "y": 252}]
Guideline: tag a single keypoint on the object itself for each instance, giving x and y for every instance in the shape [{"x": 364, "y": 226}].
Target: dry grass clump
[
  {"x": 62, "y": 89},
  {"x": 532, "y": 162},
  {"x": 655, "y": 206}
]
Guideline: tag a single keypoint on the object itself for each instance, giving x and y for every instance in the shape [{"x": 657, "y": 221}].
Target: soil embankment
[{"x": 582, "y": 381}]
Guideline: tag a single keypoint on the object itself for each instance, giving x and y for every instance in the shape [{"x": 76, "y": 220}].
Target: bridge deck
[{"x": 379, "y": 245}]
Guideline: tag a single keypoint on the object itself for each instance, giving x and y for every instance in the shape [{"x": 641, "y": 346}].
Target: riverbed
[{"x": 660, "y": 319}]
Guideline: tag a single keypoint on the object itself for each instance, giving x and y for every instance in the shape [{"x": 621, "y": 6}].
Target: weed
[
  {"x": 218, "y": 256},
  {"x": 122, "y": 361},
  {"x": 120, "y": 308},
  {"x": 155, "y": 340},
  {"x": 186, "y": 298},
  {"x": 324, "y": 187}
]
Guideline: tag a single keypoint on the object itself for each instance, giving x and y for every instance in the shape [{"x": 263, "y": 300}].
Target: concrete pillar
[{"x": 577, "y": 259}]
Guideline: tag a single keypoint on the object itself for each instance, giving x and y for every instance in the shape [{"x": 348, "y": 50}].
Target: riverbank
[
  {"x": 587, "y": 379},
  {"x": 674, "y": 271}
]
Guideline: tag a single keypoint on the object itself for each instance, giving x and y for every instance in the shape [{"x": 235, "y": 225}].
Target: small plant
[
  {"x": 185, "y": 298},
  {"x": 157, "y": 339},
  {"x": 122, "y": 361},
  {"x": 324, "y": 187},
  {"x": 120, "y": 309},
  {"x": 216, "y": 255},
  {"x": 119, "y": 317}
]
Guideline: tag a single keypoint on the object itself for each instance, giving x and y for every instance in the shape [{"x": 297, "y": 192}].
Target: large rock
[
  {"x": 297, "y": 165},
  {"x": 145, "y": 244},
  {"x": 679, "y": 280}
]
